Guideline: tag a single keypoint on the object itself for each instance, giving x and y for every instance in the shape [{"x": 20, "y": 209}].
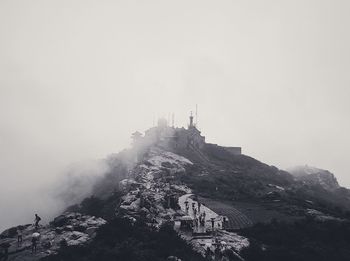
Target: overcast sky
[{"x": 78, "y": 77}]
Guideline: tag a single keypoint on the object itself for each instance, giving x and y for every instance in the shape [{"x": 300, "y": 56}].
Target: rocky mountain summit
[{"x": 172, "y": 196}]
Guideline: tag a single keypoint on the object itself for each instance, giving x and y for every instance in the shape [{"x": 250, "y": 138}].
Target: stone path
[
  {"x": 209, "y": 214},
  {"x": 232, "y": 239}
]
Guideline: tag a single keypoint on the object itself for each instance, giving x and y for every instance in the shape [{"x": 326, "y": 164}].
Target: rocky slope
[
  {"x": 68, "y": 229},
  {"x": 150, "y": 193},
  {"x": 153, "y": 186}
]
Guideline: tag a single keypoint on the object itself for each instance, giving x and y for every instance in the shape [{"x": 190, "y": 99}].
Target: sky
[{"x": 78, "y": 77}]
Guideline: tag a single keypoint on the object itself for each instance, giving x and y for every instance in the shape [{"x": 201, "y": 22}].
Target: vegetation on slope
[{"x": 305, "y": 240}]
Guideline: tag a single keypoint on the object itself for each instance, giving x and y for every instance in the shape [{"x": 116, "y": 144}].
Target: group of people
[
  {"x": 34, "y": 239},
  {"x": 199, "y": 221},
  {"x": 221, "y": 252},
  {"x": 35, "y": 235},
  {"x": 199, "y": 218}
]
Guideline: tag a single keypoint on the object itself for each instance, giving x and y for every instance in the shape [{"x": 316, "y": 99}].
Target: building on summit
[{"x": 173, "y": 138}]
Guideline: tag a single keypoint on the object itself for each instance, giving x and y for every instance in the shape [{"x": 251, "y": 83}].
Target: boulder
[
  {"x": 11, "y": 232},
  {"x": 80, "y": 227},
  {"x": 68, "y": 228},
  {"x": 91, "y": 231},
  {"x": 59, "y": 230},
  {"x": 60, "y": 221}
]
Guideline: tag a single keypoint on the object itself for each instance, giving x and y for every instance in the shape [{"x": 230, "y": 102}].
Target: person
[
  {"x": 5, "y": 254},
  {"x": 187, "y": 207},
  {"x": 34, "y": 244},
  {"x": 37, "y": 220},
  {"x": 186, "y": 203},
  {"x": 212, "y": 223},
  {"x": 224, "y": 222},
  {"x": 19, "y": 236},
  {"x": 35, "y": 239},
  {"x": 217, "y": 252},
  {"x": 199, "y": 207},
  {"x": 208, "y": 254}
]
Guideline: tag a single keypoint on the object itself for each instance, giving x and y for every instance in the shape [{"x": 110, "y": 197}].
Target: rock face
[
  {"x": 315, "y": 176},
  {"x": 69, "y": 229},
  {"x": 157, "y": 196},
  {"x": 149, "y": 194}
]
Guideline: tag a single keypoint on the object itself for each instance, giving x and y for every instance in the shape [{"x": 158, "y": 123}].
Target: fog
[{"x": 78, "y": 77}]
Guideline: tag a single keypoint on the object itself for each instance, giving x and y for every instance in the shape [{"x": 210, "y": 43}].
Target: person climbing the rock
[
  {"x": 35, "y": 239},
  {"x": 37, "y": 220}
]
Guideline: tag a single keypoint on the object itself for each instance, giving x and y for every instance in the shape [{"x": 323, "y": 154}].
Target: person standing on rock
[
  {"x": 36, "y": 221},
  {"x": 35, "y": 239}
]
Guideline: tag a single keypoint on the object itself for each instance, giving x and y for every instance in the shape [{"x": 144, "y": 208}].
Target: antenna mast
[{"x": 173, "y": 120}]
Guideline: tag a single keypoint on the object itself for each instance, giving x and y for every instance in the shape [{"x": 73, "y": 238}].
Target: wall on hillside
[{"x": 234, "y": 150}]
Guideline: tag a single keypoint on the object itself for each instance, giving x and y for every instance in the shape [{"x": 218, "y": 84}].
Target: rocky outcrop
[
  {"x": 69, "y": 229},
  {"x": 315, "y": 176}
]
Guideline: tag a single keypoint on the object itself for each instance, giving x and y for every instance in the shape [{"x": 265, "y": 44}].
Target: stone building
[{"x": 176, "y": 138}]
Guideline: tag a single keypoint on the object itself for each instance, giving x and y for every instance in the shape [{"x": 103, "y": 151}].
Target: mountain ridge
[{"x": 149, "y": 185}]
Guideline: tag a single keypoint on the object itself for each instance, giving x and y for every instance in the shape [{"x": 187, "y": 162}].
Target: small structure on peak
[
  {"x": 191, "y": 121},
  {"x": 174, "y": 138}
]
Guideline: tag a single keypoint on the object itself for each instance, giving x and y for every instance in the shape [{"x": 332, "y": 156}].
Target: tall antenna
[
  {"x": 173, "y": 120},
  {"x": 196, "y": 115}
]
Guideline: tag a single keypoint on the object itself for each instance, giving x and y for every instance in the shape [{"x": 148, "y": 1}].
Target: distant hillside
[{"x": 315, "y": 176}]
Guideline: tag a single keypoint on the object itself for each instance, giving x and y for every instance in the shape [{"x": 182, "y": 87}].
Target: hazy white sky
[{"x": 77, "y": 77}]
